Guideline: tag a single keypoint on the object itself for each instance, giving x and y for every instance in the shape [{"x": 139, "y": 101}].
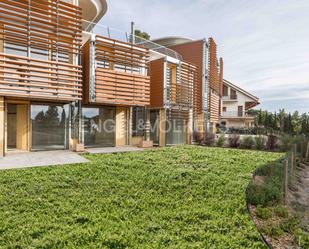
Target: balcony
[
  {"x": 230, "y": 97},
  {"x": 235, "y": 114},
  {"x": 26, "y": 77},
  {"x": 40, "y": 44},
  {"x": 115, "y": 72}
]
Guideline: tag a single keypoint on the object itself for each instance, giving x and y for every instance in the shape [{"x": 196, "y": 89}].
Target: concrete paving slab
[
  {"x": 40, "y": 158},
  {"x": 109, "y": 150}
]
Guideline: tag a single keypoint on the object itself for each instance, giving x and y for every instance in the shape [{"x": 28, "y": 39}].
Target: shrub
[
  {"x": 263, "y": 213},
  {"x": 233, "y": 140},
  {"x": 286, "y": 142},
  {"x": 281, "y": 211},
  {"x": 272, "y": 230},
  {"x": 198, "y": 137},
  {"x": 272, "y": 142},
  {"x": 289, "y": 225},
  {"x": 271, "y": 190},
  {"x": 264, "y": 195},
  {"x": 259, "y": 142},
  {"x": 221, "y": 140},
  {"x": 210, "y": 139},
  {"x": 247, "y": 142},
  {"x": 302, "y": 238}
]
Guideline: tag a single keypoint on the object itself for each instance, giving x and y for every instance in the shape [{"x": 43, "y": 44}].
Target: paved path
[
  {"x": 108, "y": 150},
  {"x": 41, "y": 158}
]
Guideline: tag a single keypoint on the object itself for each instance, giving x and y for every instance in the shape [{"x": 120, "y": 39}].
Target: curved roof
[
  {"x": 93, "y": 10},
  {"x": 171, "y": 40}
]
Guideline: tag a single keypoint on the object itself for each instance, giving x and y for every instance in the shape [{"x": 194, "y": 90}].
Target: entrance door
[
  {"x": 99, "y": 126},
  {"x": 50, "y": 126},
  {"x": 154, "y": 126},
  {"x": 175, "y": 131},
  {"x": 17, "y": 127}
]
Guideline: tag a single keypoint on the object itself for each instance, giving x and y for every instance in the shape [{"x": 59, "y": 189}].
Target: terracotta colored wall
[
  {"x": 192, "y": 52},
  {"x": 156, "y": 73}
]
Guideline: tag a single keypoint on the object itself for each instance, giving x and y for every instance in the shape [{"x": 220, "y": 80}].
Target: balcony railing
[
  {"x": 120, "y": 35},
  {"x": 234, "y": 114},
  {"x": 22, "y": 76},
  {"x": 230, "y": 97}
]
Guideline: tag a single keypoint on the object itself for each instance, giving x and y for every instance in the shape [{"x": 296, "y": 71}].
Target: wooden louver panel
[
  {"x": 120, "y": 73},
  {"x": 33, "y": 78},
  {"x": 121, "y": 88},
  {"x": 41, "y": 41},
  {"x": 183, "y": 92}
]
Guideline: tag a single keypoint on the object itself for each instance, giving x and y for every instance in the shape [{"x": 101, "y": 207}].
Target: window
[
  {"x": 224, "y": 109},
  {"x": 225, "y": 91},
  {"x": 138, "y": 121},
  {"x": 14, "y": 49}
]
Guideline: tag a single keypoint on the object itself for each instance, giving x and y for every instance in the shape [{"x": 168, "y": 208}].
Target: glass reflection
[
  {"x": 99, "y": 126},
  {"x": 50, "y": 126}
]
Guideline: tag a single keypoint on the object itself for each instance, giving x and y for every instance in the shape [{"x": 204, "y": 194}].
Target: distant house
[{"x": 235, "y": 104}]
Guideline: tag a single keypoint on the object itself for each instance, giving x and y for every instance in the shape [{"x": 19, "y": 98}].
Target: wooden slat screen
[
  {"x": 183, "y": 94},
  {"x": 214, "y": 103},
  {"x": 120, "y": 73},
  {"x": 121, "y": 88},
  {"x": 32, "y": 78},
  {"x": 42, "y": 42}
]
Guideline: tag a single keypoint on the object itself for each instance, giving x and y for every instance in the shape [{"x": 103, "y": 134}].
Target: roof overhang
[
  {"x": 230, "y": 84},
  {"x": 171, "y": 40},
  {"x": 93, "y": 10}
]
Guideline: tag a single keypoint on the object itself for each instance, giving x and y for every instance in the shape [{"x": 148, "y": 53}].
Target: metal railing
[
  {"x": 230, "y": 97},
  {"x": 120, "y": 35},
  {"x": 235, "y": 114}
]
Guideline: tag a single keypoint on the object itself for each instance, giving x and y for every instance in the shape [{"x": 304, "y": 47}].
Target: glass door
[
  {"x": 99, "y": 126},
  {"x": 50, "y": 126},
  {"x": 154, "y": 126}
]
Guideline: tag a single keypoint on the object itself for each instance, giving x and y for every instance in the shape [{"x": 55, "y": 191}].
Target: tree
[{"x": 142, "y": 34}]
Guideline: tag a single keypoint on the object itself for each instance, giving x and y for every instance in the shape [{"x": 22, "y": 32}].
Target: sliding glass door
[
  {"x": 50, "y": 126},
  {"x": 99, "y": 126}
]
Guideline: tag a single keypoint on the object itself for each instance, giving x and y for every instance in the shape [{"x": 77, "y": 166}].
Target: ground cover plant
[{"x": 177, "y": 197}]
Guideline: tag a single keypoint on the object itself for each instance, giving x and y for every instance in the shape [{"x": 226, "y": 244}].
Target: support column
[
  {"x": 22, "y": 127},
  {"x": 189, "y": 128},
  {"x": 2, "y": 127},
  {"x": 121, "y": 126},
  {"x": 162, "y": 127}
]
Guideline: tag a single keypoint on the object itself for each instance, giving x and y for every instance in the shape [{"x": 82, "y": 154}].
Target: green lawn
[{"x": 179, "y": 197}]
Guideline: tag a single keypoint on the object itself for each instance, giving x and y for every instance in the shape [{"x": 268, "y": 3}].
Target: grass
[{"x": 178, "y": 197}]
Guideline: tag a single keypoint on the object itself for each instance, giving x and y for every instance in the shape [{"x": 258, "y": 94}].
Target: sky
[{"x": 264, "y": 43}]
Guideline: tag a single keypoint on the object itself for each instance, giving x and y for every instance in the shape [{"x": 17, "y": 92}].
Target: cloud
[{"x": 264, "y": 43}]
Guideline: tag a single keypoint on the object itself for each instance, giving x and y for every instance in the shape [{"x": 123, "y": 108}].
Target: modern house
[
  {"x": 203, "y": 54},
  {"x": 64, "y": 86},
  {"x": 45, "y": 102},
  {"x": 40, "y": 73},
  {"x": 172, "y": 99},
  {"x": 235, "y": 104}
]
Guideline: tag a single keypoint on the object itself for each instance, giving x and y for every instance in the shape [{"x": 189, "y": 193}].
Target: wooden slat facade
[
  {"x": 32, "y": 78},
  {"x": 215, "y": 82},
  {"x": 41, "y": 43},
  {"x": 120, "y": 73},
  {"x": 181, "y": 80},
  {"x": 192, "y": 52}
]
